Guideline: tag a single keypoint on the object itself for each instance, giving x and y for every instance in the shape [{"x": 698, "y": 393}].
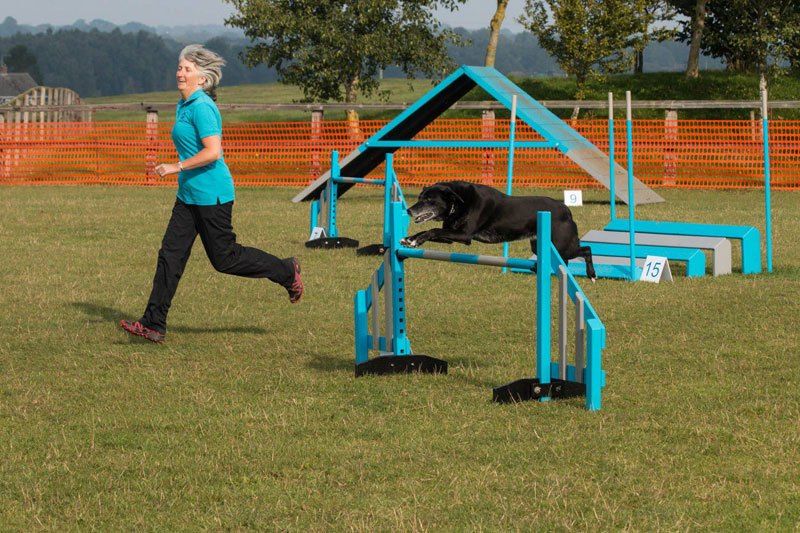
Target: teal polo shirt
[{"x": 196, "y": 118}]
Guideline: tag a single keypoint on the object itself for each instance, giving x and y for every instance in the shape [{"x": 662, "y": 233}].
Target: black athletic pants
[{"x": 213, "y": 224}]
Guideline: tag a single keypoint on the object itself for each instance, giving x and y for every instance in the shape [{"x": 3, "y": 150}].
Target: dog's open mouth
[{"x": 424, "y": 217}]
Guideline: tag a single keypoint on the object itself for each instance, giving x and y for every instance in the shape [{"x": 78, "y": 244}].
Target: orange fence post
[
  {"x": 317, "y": 116},
  {"x": 487, "y": 134}
]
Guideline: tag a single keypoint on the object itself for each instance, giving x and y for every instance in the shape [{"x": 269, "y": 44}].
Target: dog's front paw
[{"x": 409, "y": 242}]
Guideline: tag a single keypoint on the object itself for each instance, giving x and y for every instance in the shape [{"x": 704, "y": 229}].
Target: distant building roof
[{"x": 15, "y": 83}]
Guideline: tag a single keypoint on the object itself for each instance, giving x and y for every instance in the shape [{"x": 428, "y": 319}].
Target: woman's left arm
[{"x": 212, "y": 151}]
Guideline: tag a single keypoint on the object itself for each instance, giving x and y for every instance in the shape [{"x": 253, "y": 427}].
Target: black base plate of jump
[
  {"x": 332, "y": 242},
  {"x": 530, "y": 389},
  {"x": 402, "y": 364},
  {"x": 371, "y": 249}
]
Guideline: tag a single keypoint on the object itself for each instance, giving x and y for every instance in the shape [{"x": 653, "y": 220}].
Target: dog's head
[{"x": 435, "y": 202}]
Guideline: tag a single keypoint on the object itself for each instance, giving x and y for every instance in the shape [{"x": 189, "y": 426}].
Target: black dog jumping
[{"x": 472, "y": 211}]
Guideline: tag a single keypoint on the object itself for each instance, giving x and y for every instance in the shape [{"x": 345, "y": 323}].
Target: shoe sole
[{"x": 142, "y": 335}]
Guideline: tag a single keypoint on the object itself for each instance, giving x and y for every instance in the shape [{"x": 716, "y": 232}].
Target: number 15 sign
[{"x": 655, "y": 269}]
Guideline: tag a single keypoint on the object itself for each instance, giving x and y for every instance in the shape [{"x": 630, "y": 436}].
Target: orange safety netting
[{"x": 680, "y": 153}]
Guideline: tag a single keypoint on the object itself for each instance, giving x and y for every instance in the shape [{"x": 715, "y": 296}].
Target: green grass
[{"x": 249, "y": 417}]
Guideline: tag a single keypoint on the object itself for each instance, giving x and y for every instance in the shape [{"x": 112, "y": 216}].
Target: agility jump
[{"x": 585, "y": 376}]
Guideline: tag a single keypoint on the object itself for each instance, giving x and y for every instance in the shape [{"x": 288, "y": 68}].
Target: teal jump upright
[{"x": 554, "y": 379}]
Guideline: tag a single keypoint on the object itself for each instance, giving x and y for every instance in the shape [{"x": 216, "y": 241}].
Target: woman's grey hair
[{"x": 208, "y": 63}]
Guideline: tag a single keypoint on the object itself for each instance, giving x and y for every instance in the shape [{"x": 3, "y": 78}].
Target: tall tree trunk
[
  {"x": 638, "y": 67},
  {"x": 698, "y": 24},
  {"x": 494, "y": 32}
]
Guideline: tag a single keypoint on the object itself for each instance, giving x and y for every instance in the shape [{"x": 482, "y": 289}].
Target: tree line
[
  {"x": 106, "y": 63},
  {"x": 338, "y": 49},
  {"x": 98, "y": 63}
]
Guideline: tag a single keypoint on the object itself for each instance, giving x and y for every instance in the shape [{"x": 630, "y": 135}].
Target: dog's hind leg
[
  {"x": 586, "y": 253},
  {"x": 575, "y": 250}
]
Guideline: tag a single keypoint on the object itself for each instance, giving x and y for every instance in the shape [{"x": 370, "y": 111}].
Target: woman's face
[{"x": 188, "y": 77}]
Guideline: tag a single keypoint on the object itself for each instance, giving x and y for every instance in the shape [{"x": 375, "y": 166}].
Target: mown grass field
[{"x": 249, "y": 417}]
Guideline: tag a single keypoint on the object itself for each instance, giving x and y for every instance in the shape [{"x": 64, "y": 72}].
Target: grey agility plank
[{"x": 721, "y": 253}]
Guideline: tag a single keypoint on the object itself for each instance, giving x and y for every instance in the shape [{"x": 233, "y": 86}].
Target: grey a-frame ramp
[{"x": 572, "y": 144}]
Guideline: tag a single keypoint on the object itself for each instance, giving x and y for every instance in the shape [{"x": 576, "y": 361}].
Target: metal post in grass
[
  {"x": 543, "y": 271},
  {"x": 629, "y": 135},
  {"x": 333, "y": 194},
  {"x": 510, "y": 175},
  {"x": 314, "y": 217},
  {"x": 389, "y": 183},
  {"x": 611, "y": 162},
  {"x": 767, "y": 185}
]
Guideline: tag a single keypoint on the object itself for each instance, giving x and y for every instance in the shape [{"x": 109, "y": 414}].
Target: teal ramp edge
[
  {"x": 750, "y": 236},
  {"x": 405, "y": 126},
  {"x": 574, "y": 145}
]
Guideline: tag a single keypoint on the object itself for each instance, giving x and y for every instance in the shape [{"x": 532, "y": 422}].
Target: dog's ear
[{"x": 454, "y": 195}]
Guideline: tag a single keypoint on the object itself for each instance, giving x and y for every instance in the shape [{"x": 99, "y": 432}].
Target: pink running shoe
[
  {"x": 136, "y": 328},
  {"x": 296, "y": 288}
]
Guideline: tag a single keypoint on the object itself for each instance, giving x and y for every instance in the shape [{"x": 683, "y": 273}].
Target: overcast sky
[{"x": 474, "y": 14}]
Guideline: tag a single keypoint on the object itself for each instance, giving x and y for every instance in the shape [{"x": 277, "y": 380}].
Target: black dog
[{"x": 472, "y": 211}]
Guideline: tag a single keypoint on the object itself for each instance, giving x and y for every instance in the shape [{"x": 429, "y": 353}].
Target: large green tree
[
  {"x": 749, "y": 35},
  {"x": 752, "y": 35},
  {"x": 336, "y": 49},
  {"x": 587, "y": 37},
  {"x": 20, "y": 59}
]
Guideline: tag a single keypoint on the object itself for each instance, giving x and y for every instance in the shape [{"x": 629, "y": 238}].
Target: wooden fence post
[
  {"x": 670, "y": 146},
  {"x": 3, "y": 152},
  {"x": 317, "y": 116},
  {"x": 151, "y": 136},
  {"x": 487, "y": 158}
]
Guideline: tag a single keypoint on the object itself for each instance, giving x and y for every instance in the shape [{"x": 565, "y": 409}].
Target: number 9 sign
[{"x": 573, "y": 198}]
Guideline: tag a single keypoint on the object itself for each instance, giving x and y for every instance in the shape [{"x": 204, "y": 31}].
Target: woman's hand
[
  {"x": 167, "y": 169},
  {"x": 212, "y": 151}
]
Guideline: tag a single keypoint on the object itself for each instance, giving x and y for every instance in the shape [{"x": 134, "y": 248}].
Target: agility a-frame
[{"x": 400, "y": 133}]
